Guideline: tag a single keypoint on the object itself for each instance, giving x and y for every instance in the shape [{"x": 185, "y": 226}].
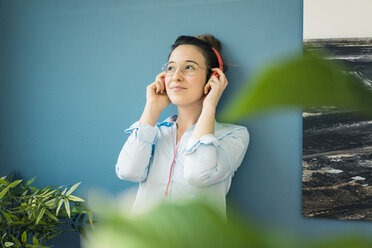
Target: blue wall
[{"x": 73, "y": 75}]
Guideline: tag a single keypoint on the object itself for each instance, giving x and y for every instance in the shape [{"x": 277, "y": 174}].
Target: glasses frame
[{"x": 182, "y": 70}]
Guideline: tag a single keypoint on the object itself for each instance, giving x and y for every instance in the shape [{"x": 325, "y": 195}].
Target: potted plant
[{"x": 29, "y": 217}]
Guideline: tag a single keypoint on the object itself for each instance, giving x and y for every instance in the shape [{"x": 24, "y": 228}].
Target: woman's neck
[{"x": 185, "y": 119}]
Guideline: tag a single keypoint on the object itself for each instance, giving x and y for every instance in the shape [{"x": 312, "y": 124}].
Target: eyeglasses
[{"x": 188, "y": 68}]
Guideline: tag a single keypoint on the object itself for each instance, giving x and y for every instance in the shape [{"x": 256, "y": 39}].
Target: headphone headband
[{"x": 219, "y": 58}]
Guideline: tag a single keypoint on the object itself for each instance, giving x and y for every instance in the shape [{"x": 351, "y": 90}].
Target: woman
[{"x": 190, "y": 155}]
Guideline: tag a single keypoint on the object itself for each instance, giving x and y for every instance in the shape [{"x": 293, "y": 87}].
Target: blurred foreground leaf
[
  {"x": 303, "y": 81},
  {"x": 186, "y": 224},
  {"x": 348, "y": 241},
  {"x": 196, "y": 224}
]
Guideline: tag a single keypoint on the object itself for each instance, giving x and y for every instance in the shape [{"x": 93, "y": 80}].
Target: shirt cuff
[
  {"x": 207, "y": 139},
  {"x": 143, "y": 132}
]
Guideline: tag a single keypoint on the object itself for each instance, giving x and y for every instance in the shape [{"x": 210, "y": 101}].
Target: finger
[
  {"x": 220, "y": 73},
  {"x": 152, "y": 86},
  {"x": 215, "y": 74},
  {"x": 218, "y": 86},
  {"x": 163, "y": 82},
  {"x": 215, "y": 80},
  {"x": 160, "y": 75},
  {"x": 160, "y": 78},
  {"x": 207, "y": 87},
  {"x": 218, "y": 70},
  {"x": 162, "y": 86},
  {"x": 158, "y": 87},
  {"x": 215, "y": 84}
]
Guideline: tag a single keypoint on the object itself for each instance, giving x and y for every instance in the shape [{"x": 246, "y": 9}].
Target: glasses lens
[
  {"x": 169, "y": 68},
  {"x": 187, "y": 68}
]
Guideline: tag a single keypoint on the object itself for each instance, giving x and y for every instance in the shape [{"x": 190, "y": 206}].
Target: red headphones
[
  {"x": 175, "y": 149},
  {"x": 219, "y": 62}
]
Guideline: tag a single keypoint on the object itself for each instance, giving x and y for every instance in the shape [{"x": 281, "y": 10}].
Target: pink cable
[{"x": 179, "y": 142}]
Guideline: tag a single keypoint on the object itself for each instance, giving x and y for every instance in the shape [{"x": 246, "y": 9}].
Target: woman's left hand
[{"x": 215, "y": 86}]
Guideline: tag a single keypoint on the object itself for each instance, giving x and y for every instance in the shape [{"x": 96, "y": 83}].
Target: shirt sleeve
[
  {"x": 210, "y": 160},
  {"x": 134, "y": 157}
]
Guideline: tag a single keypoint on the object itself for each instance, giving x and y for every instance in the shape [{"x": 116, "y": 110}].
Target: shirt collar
[{"x": 167, "y": 122}]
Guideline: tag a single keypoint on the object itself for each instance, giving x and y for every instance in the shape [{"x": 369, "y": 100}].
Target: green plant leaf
[
  {"x": 15, "y": 240},
  {"x": 20, "y": 223},
  {"x": 73, "y": 188},
  {"x": 7, "y": 217},
  {"x": 41, "y": 214},
  {"x": 45, "y": 194},
  {"x": 8, "y": 244},
  {"x": 303, "y": 81},
  {"x": 34, "y": 240},
  {"x": 67, "y": 207},
  {"x": 59, "y": 206},
  {"x": 59, "y": 189},
  {"x": 3, "y": 182},
  {"x": 24, "y": 237},
  {"x": 198, "y": 225},
  {"x": 29, "y": 182},
  {"x": 51, "y": 215},
  {"x": 12, "y": 216},
  {"x": 75, "y": 198},
  {"x": 15, "y": 183},
  {"x": 90, "y": 218},
  {"x": 34, "y": 189},
  {"x": 4, "y": 191},
  {"x": 346, "y": 241},
  {"x": 64, "y": 191},
  {"x": 75, "y": 209},
  {"x": 50, "y": 203}
]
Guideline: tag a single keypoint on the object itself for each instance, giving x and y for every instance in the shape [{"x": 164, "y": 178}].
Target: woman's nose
[{"x": 178, "y": 74}]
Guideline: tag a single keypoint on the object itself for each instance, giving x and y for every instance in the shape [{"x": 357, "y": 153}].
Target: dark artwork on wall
[{"x": 337, "y": 145}]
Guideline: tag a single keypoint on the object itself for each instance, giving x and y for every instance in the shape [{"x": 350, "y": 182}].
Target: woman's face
[{"x": 185, "y": 80}]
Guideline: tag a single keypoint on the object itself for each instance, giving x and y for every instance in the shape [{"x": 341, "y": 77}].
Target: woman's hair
[{"x": 204, "y": 42}]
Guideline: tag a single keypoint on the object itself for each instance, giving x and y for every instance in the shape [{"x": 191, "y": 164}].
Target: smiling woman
[{"x": 188, "y": 155}]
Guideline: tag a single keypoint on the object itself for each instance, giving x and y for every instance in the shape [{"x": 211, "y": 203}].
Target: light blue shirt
[{"x": 203, "y": 168}]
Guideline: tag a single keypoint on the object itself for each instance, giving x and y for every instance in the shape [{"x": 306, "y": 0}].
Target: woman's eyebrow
[{"x": 192, "y": 61}]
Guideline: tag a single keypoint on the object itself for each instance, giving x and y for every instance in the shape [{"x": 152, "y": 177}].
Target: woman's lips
[{"x": 178, "y": 88}]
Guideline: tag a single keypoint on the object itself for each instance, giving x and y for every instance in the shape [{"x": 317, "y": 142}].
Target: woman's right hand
[
  {"x": 156, "y": 94},
  {"x": 156, "y": 101}
]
